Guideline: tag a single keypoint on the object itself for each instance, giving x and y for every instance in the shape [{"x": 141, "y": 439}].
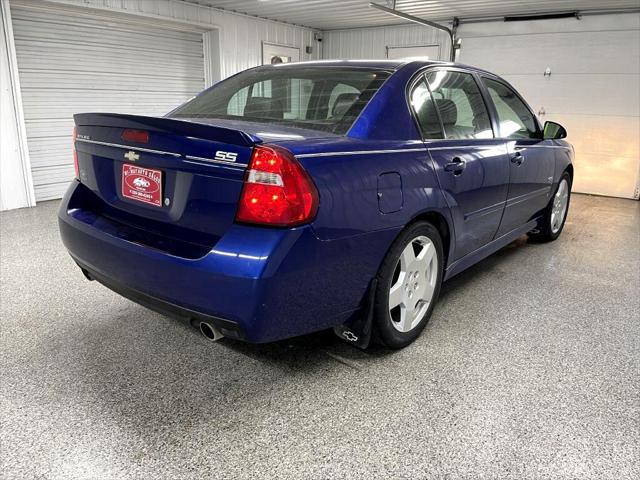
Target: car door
[
  {"x": 531, "y": 159},
  {"x": 471, "y": 165}
]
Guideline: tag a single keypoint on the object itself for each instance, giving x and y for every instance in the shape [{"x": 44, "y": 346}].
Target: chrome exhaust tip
[{"x": 210, "y": 332}]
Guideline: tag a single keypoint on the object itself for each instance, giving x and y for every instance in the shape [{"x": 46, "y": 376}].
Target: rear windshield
[{"x": 318, "y": 98}]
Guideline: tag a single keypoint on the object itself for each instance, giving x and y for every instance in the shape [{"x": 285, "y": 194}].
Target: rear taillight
[
  {"x": 75, "y": 153},
  {"x": 138, "y": 136},
  {"x": 277, "y": 191}
]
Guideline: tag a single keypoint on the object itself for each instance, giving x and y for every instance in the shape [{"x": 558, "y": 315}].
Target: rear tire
[
  {"x": 556, "y": 212},
  {"x": 408, "y": 285}
]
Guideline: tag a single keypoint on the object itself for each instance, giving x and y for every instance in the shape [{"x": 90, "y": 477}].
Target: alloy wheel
[
  {"x": 559, "y": 207},
  {"x": 413, "y": 284}
]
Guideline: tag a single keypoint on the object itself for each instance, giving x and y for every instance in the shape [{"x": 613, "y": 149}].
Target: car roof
[
  {"x": 394, "y": 65},
  {"x": 383, "y": 64}
]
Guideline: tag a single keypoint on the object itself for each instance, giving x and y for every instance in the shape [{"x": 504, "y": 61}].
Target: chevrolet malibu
[{"x": 293, "y": 198}]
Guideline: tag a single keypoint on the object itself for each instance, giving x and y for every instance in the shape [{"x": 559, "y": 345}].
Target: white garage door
[
  {"x": 593, "y": 89},
  {"x": 72, "y": 63}
]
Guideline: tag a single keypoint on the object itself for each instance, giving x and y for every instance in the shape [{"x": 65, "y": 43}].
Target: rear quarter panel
[
  {"x": 350, "y": 223},
  {"x": 348, "y": 188}
]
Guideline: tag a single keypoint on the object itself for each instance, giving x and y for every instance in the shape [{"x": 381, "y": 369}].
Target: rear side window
[
  {"x": 515, "y": 120},
  {"x": 319, "y": 98},
  {"x": 462, "y": 109},
  {"x": 425, "y": 111}
]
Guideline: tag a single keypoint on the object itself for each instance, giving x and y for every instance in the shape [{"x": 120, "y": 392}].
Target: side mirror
[{"x": 554, "y": 131}]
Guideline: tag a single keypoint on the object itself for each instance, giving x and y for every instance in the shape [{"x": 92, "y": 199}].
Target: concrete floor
[{"x": 529, "y": 368}]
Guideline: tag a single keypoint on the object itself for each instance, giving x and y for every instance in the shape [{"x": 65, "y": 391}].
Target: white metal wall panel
[
  {"x": 372, "y": 42},
  {"x": 426, "y": 52},
  {"x": 241, "y": 36},
  {"x": 71, "y": 63},
  {"x": 593, "y": 90}
]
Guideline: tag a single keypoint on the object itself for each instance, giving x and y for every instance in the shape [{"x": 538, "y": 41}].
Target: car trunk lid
[{"x": 168, "y": 177}]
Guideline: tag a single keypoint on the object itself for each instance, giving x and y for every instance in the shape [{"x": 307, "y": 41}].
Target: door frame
[{"x": 15, "y": 92}]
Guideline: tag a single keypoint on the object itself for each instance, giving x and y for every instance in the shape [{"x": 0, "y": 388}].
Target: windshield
[{"x": 318, "y": 98}]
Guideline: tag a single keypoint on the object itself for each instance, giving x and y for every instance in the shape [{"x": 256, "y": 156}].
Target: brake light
[
  {"x": 277, "y": 191},
  {"x": 138, "y": 136},
  {"x": 75, "y": 153}
]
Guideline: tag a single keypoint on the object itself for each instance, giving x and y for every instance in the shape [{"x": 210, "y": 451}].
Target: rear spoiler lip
[{"x": 168, "y": 125}]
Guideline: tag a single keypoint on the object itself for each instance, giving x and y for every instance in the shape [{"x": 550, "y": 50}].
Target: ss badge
[{"x": 226, "y": 156}]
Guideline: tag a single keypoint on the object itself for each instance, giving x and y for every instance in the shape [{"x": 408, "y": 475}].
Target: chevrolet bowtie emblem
[{"x": 131, "y": 156}]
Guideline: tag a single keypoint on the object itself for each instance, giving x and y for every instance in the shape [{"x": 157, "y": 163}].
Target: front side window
[
  {"x": 320, "y": 98},
  {"x": 515, "y": 120},
  {"x": 460, "y": 103}
]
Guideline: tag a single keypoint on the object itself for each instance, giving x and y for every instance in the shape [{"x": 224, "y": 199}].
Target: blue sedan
[{"x": 293, "y": 198}]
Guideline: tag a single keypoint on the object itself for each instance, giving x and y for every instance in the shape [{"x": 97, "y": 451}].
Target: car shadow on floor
[
  {"x": 491, "y": 264},
  {"x": 291, "y": 350}
]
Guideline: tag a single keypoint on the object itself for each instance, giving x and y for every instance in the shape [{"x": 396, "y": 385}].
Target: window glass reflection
[{"x": 461, "y": 106}]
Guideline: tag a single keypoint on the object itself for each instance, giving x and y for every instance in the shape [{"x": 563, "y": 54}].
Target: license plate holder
[{"x": 142, "y": 184}]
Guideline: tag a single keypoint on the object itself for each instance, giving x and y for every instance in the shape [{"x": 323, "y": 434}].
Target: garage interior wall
[
  {"x": 373, "y": 42},
  {"x": 592, "y": 89},
  {"x": 37, "y": 28}
]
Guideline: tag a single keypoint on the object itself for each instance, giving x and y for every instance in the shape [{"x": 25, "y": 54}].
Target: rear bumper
[
  {"x": 226, "y": 327},
  {"x": 262, "y": 284}
]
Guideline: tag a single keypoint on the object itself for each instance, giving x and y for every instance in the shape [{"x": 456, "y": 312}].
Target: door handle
[
  {"x": 517, "y": 158},
  {"x": 456, "y": 166}
]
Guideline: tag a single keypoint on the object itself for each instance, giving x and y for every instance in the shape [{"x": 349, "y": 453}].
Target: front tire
[
  {"x": 556, "y": 213},
  {"x": 408, "y": 285}
]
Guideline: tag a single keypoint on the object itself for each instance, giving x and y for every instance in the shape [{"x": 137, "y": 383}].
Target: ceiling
[{"x": 338, "y": 14}]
